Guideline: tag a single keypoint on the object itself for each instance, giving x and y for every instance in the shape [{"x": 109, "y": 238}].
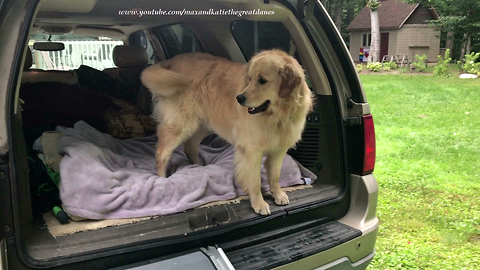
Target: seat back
[
  {"x": 38, "y": 75},
  {"x": 131, "y": 61}
]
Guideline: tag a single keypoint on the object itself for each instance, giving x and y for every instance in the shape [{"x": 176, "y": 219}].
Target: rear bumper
[
  {"x": 346, "y": 264},
  {"x": 358, "y": 252}
]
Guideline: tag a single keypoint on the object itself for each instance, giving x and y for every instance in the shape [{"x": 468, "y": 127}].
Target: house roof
[{"x": 391, "y": 14}]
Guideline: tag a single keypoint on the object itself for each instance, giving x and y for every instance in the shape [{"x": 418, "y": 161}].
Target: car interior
[{"x": 112, "y": 99}]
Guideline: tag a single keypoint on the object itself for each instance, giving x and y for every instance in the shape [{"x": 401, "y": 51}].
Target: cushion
[{"x": 128, "y": 121}]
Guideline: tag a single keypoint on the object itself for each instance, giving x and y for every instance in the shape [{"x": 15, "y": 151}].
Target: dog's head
[{"x": 272, "y": 76}]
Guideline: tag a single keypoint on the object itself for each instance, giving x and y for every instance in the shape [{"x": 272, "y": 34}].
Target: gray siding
[
  {"x": 411, "y": 40},
  {"x": 417, "y": 40},
  {"x": 356, "y": 39},
  {"x": 392, "y": 42},
  {"x": 420, "y": 16},
  {"x": 356, "y": 44}
]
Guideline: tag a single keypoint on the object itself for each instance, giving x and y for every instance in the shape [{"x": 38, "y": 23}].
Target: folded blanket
[{"x": 105, "y": 178}]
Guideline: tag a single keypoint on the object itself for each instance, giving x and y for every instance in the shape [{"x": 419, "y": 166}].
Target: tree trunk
[
  {"x": 449, "y": 41},
  {"x": 468, "y": 46},
  {"x": 338, "y": 14},
  {"x": 375, "y": 44},
  {"x": 462, "y": 50}
]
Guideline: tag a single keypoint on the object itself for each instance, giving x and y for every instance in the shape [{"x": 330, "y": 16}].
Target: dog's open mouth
[{"x": 260, "y": 108}]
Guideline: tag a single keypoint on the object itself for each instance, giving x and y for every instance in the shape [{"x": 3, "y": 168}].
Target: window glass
[
  {"x": 366, "y": 39},
  {"x": 255, "y": 36},
  {"x": 95, "y": 52},
  {"x": 178, "y": 39},
  {"x": 139, "y": 38}
]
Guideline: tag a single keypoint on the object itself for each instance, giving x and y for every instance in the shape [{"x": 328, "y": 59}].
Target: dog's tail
[{"x": 163, "y": 82}]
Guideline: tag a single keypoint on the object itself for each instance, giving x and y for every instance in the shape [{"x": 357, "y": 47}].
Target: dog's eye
[{"x": 262, "y": 80}]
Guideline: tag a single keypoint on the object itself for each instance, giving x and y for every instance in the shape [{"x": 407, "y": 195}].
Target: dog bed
[{"x": 107, "y": 178}]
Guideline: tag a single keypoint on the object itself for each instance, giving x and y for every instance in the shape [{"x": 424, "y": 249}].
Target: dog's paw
[
  {"x": 261, "y": 208},
  {"x": 281, "y": 198}
]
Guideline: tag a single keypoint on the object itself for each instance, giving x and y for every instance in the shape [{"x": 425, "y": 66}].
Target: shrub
[
  {"x": 391, "y": 65},
  {"x": 420, "y": 65},
  {"x": 375, "y": 66},
  {"x": 470, "y": 65},
  {"x": 359, "y": 68},
  {"x": 441, "y": 68}
]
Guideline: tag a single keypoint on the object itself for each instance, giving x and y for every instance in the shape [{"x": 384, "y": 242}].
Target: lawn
[{"x": 428, "y": 170}]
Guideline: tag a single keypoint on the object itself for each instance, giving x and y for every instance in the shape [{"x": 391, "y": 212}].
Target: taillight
[{"x": 369, "y": 145}]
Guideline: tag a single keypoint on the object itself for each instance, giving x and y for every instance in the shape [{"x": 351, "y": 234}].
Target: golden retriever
[{"x": 259, "y": 107}]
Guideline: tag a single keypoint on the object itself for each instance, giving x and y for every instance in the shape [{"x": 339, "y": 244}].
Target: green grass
[
  {"x": 428, "y": 170},
  {"x": 452, "y": 69}
]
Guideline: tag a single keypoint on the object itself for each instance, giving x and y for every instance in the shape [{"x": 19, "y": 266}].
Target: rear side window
[
  {"x": 177, "y": 39},
  {"x": 139, "y": 38},
  {"x": 255, "y": 36}
]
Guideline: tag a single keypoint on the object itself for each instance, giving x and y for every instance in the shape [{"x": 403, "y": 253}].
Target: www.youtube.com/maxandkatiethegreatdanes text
[{"x": 184, "y": 12}]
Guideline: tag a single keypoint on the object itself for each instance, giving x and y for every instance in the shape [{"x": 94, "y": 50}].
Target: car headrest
[
  {"x": 28, "y": 59},
  {"x": 127, "y": 56}
]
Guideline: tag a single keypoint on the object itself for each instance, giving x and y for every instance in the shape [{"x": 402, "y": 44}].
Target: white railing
[{"x": 96, "y": 54}]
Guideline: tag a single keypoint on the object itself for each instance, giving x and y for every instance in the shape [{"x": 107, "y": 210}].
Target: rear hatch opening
[{"x": 321, "y": 150}]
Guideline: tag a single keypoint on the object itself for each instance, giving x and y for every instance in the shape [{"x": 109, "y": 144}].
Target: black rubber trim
[{"x": 292, "y": 247}]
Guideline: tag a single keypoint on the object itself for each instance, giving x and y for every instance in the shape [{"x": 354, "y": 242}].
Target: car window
[
  {"x": 254, "y": 36},
  {"x": 139, "y": 38},
  {"x": 177, "y": 39},
  {"x": 95, "y": 52}
]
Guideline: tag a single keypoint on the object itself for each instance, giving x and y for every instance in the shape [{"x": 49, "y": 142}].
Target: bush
[
  {"x": 420, "y": 65},
  {"x": 470, "y": 65},
  {"x": 441, "y": 67},
  {"x": 375, "y": 66},
  {"x": 391, "y": 65},
  {"x": 359, "y": 68}
]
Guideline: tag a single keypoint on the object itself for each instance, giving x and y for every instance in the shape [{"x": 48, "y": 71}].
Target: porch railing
[{"x": 96, "y": 54}]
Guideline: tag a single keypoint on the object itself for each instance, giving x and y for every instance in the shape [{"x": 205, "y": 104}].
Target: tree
[
  {"x": 465, "y": 25},
  {"x": 375, "y": 44},
  {"x": 343, "y": 12},
  {"x": 460, "y": 20}
]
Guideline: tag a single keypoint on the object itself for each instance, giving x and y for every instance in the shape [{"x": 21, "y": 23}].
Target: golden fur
[{"x": 197, "y": 93}]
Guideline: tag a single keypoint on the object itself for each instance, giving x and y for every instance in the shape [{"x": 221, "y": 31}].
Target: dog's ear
[{"x": 290, "y": 81}]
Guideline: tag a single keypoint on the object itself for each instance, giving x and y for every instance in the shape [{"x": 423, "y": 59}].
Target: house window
[{"x": 367, "y": 39}]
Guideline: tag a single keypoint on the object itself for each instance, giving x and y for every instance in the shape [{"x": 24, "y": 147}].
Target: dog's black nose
[{"x": 241, "y": 99}]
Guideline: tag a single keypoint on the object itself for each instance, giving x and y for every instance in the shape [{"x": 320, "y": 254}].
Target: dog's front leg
[
  {"x": 247, "y": 171},
  {"x": 273, "y": 165}
]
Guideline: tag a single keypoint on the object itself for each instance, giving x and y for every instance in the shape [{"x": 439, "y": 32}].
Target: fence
[{"x": 96, "y": 54}]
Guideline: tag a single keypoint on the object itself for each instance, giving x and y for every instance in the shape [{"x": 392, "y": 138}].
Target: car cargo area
[{"x": 65, "y": 87}]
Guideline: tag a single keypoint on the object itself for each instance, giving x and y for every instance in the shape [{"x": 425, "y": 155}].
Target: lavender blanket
[{"x": 105, "y": 178}]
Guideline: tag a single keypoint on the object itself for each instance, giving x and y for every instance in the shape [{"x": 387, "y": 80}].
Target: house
[{"x": 404, "y": 31}]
